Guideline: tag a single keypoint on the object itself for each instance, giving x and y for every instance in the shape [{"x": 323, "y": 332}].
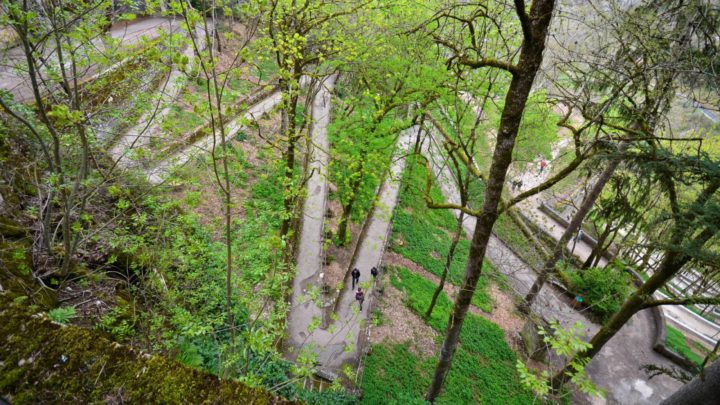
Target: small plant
[
  {"x": 565, "y": 343},
  {"x": 62, "y": 315},
  {"x": 113, "y": 323},
  {"x": 377, "y": 318},
  {"x": 349, "y": 372}
]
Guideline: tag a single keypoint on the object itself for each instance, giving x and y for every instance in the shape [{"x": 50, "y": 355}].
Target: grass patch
[
  {"x": 676, "y": 341},
  {"x": 418, "y": 292},
  {"x": 483, "y": 369},
  {"x": 423, "y": 235}
]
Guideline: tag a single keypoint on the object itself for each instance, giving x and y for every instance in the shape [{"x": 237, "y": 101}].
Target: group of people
[{"x": 360, "y": 294}]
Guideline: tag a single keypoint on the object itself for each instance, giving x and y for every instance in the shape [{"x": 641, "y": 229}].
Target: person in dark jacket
[
  {"x": 355, "y": 277},
  {"x": 360, "y": 297},
  {"x": 374, "y": 272}
]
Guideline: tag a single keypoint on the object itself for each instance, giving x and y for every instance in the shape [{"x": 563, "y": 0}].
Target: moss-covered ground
[{"x": 82, "y": 367}]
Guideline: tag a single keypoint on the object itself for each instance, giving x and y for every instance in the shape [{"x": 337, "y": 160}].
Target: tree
[
  {"x": 391, "y": 75},
  {"x": 197, "y": 24},
  {"x": 302, "y": 35},
  {"x": 534, "y": 27},
  {"x": 70, "y": 82},
  {"x": 693, "y": 216},
  {"x": 625, "y": 105}
]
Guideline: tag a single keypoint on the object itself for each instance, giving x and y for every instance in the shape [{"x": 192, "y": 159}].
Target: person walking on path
[
  {"x": 360, "y": 297},
  {"x": 543, "y": 164},
  {"x": 517, "y": 184},
  {"x": 374, "y": 272},
  {"x": 355, "y": 277}
]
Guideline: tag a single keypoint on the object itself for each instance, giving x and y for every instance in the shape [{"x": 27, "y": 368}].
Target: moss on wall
[{"x": 43, "y": 362}]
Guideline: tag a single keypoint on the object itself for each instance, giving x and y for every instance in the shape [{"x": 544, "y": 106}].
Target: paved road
[
  {"x": 617, "y": 367},
  {"x": 13, "y": 69},
  {"x": 339, "y": 343}
]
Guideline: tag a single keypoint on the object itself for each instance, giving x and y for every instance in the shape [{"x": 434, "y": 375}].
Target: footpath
[
  {"x": 617, "y": 368},
  {"x": 341, "y": 342}
]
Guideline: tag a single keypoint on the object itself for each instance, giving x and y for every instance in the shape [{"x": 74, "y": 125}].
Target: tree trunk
[
  {"x": 572, "y": 228},
  {"x": 289, "y": 123},
  {"x": 609, "y": 241},
  {"x": 347, "y": 208},
  {"x": 597, "y": 250},
  {"x": 701, "y": 390},
  {"x": 448, "y": 262},
  {"x": 531, "y": 55}
]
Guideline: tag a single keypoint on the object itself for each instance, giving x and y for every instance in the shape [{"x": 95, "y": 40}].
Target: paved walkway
[
  {"x": 13, "y": 70},
  {"x": 304, "y": 311},
  {"x": 339, "y": 343},
  {"x": 162, "y": 169},
  {"x": 150, "y": 124},
  {"x": 617, "y": 367}
]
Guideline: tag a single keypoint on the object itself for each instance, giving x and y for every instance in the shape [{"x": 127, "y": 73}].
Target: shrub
[{"x": 603, "y": 289}]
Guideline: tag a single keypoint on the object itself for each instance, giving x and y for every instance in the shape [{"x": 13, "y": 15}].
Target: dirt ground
[{"x": 399, "y": 325}]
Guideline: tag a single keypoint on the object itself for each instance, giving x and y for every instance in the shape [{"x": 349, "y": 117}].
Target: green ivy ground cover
[
  {"x": 423, "y": 235},
  {"x": 483, "y": 369}
]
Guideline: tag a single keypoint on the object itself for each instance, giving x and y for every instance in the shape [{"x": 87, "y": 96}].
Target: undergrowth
[
  {"x": 424, "y": 235},
  {"x": 483, "y": 369}
]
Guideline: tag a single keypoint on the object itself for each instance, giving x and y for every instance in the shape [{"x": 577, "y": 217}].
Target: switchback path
[
  {"x": 162, "y": 169},
  {"x": 340, "y": 342},
  {"x": 149, "y": 124},
  {"x": 13, "y": 70},
  {"x": 617, "y": 367}
]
